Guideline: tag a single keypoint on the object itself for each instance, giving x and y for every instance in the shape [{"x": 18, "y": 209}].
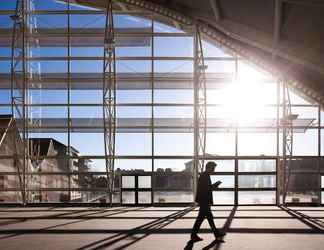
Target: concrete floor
[{"x": 247, "y": 227}]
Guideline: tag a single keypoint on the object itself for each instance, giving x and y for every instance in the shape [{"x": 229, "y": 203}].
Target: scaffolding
[{"x": 109, "y": 101}]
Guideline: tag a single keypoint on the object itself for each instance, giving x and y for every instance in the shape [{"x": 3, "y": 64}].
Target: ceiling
[{"x": 285, "y": 37}]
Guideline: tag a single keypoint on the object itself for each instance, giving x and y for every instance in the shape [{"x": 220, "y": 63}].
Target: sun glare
[{"x": 246, "y": 98}]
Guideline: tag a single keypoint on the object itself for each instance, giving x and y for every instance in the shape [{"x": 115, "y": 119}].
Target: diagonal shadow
[
  {"x": 309, "y": 221},
  {"x": 216, "y": 244},
  {"x": 124, "y": 210},
  {"x": 147, "y": 229}
]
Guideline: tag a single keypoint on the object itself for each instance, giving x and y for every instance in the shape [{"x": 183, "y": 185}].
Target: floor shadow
[
  {"x": 313, "y": 223},
  {"x": 189, "y": 245},
  {"x": 214, "y": 244},
  {"x": 148, "y": 229},
  {"x": 81, "y": 219}
]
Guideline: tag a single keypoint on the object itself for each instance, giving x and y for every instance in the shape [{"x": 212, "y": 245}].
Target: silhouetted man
[{"x": 204, "y": 198}]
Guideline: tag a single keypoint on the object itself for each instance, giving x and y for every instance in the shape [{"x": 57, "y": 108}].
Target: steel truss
[
  {"x": 19, "y": 91},
  {"x": 288, "y": 135},
  {"x": 200, "y": 122},
  {"x": 109, "y": 98}
]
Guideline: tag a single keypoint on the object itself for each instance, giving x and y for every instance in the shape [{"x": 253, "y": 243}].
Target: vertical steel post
[
  {"x": 18, "y": 90},
  {"x": 69, "y": 123},
  {"x": 287, "y": 123},
  {"x": 278, "y": 148},
  {"x": 109, "y": 101},
  {"x": 200, "y": 119},
  {"x": 236, "y": 187},
  {"x": 152, "y": 111}
]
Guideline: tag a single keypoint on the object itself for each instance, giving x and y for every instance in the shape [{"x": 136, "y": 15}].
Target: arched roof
[{"x": 285, "y": 37}]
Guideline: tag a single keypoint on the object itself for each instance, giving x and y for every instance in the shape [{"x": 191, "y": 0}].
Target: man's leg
[
  {"x": 200, "y": 218},
  {"x": 210, "y": 219}
]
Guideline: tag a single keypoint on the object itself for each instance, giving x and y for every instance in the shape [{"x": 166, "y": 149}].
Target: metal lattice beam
[
  {"x": 288, "y": 135},
  {"x": 18, "y": 90},
  {"x": 200, "y": 104},
  {"x": 109, "y": 101}
]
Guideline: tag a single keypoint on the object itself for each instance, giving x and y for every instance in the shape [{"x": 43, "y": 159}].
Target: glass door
[{"x": 136, "y": 189}]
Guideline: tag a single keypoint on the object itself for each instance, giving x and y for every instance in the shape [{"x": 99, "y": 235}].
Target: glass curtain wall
[{"x": 155, "y": 112}]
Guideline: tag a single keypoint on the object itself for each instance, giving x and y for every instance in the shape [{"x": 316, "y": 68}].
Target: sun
[{"x": 245, "y": 98}]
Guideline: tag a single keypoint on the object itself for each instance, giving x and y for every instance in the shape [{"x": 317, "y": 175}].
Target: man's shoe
[
  {"x": 220, "y": 234},
  {"x": 196, "y": 238}
]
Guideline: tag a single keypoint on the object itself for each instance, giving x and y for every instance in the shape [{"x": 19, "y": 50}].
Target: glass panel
[
  {"x": 88, "y": 143},
  {"x": 5, "y": 21},
  {"x": 163, "y": 28},
  {"x": 10, "y": 197},
  {"x": 211, "y": 50},
  {"x": 218, "y": 144},
  {"x": 8, "y": 181},
  {"x": 304, "y": 165},
  {"x": 144, "y": 198},
  {"x": 223, "y": 197},
  {"x": 127, "y": 49},
  {"x": 144, "y": 181},
  {"x": 133, "y": 144},
  {"x": 224, "y": 165},
  {"x": 256, "y": 197},
  {"x": 257, "y": 181},
  {"x": 173, "y": 196},
  {"x": 227, "y": 180},
  {"x": 257, "y": 165},
  {"x": 41, "y": 96},
  {"x": 309, "y": 114},
  {"x": 304, "y": 182},
  {"x": 163, "y": 144},
  {"x": 220, "y": 67},
  {"x": 128, "y": 182},
  {"x": 132, "y": 66},
  {"x": 173, "y": 96},
  {"x": 133, "y": 165},
  {"x": 173, "y": 165},
  {"x": 173, "y": 46},
  {"x": 49, "y": 21},
  {"x": 48, "y": 5},
  {"x": 170, "y": 186},
  {"x": 128, "y": 197},
  {"x": 173, "y": 112},
  {"x": 257, "y": 144},
  {"x": 5, "y": 96},
  {"x": 308, "y": 196},
  {"x": 127, "y": 21},
  {"x": 174, "y": 66},
  {"x": 52, "y": 196},
  {"x": 91, "y": 21},
  {"x": 133, "y": 96},
  {"x": 133, "y": 112},
  {"x": 306, "y": 143},
  {"x": 88, "y": 96},
  {"x": 8, "y": 5}
]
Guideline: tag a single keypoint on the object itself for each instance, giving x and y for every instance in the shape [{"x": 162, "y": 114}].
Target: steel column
[{"x": 109, "y": 101}]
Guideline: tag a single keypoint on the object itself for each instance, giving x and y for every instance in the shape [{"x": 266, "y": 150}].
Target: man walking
[{"x": 204, "y": 198}]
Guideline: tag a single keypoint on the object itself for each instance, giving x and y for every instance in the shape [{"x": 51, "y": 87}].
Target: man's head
[{"x": 210, "y": 166}]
